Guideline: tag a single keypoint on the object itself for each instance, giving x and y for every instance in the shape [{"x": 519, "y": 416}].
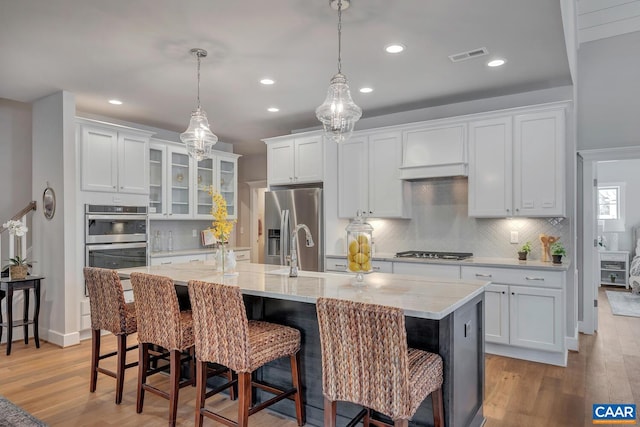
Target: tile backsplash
[{"x": 440, "y": 222}]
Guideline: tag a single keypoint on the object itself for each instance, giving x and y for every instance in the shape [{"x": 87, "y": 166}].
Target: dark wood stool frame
[{"x": 9, "y": 286}]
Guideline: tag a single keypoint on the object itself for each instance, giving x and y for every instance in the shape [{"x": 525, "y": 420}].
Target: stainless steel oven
[{"x": 115, "y": 236}]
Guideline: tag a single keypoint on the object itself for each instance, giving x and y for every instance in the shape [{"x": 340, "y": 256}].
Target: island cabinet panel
[{"x": 458, "y": 338}]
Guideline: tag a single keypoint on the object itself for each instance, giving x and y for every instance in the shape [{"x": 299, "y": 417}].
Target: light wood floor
[{"x": 53, "y": 384}]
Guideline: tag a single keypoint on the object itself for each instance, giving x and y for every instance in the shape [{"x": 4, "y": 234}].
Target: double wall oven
[{"x": 115, "y": 236}]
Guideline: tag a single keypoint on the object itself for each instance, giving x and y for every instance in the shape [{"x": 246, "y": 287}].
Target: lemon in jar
[
  {"x": 365, "y": 248},
  {"x": 362, "y": 238},
  {"x": 366, "y": 266},
  {"x": 350, "y": 257},
  {"x": 361, "y": 258},
  {"x": 354, "y": 247},
  {"x": 354, "y": 266}
]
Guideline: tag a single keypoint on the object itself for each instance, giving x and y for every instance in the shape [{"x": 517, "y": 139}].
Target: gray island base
[{"x": 442, "y": 316}]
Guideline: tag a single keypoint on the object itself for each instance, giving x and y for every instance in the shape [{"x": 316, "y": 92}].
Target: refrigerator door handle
[
  {"x": 286, "y": 236},
  {"x": 282, "y": 242}
]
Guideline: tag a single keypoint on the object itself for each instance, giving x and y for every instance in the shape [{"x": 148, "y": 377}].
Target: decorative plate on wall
[{"x": 49, "y": 202}]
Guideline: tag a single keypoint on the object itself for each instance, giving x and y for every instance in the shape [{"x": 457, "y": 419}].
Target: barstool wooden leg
[
  {"x": 174, "y": 380},
  {"x": 297, "y": 383},
  {"x": 122, "y": 358},
  {"x": 401, "y": 423},
  {"x": 143, "y": 367},
  {"x": 438, "y": 407},
  {"x": 95, "y": 355},
  {"x": 366, "y": 421},
  {"x": 329, "y": 413},
  {"x": 244, "y": 401},
  {"x": 201, "y": 390}
]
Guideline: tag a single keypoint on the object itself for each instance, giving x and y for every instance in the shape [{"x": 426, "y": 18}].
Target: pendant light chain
[
  {"x": 198, "y": 54},
  {"x": 339, "y": 36}
]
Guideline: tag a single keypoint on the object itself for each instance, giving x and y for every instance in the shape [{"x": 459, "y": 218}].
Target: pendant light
[
  {"x": 338, "y": 113},
  {"x": 198, "y": 137}
]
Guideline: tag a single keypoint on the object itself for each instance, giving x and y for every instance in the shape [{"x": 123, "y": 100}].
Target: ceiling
[{"x": 138, "y": 52}]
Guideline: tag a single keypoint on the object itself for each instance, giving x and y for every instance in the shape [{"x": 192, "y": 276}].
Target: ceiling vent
[{"x": 482, "y": 51}]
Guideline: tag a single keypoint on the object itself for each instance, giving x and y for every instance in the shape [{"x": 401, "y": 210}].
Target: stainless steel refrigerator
[{"x": 284, "y": 210}]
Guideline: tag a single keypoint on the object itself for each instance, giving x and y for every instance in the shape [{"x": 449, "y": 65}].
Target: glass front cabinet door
[
  {"x": 203, "y": 181},
  {"x": 227, "y": 177},
  {"x": 157, "y": 178}
]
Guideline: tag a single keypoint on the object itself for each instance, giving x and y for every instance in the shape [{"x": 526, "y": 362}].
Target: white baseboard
[
  {"x": 62, "y": 340},
  {"x": 572, "y": 343},
  {"x": 549, "y": 357},
  {"x": 582, "y": 328}
]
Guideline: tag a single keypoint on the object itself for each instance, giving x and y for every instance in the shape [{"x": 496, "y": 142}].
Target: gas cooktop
[{"x": 434, "y": 255}]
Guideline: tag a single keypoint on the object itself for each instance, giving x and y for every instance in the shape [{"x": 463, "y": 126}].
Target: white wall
[
  {"x": 609, "y": 95},
  {"x": 15, "y": 160},
  {"x": 55, "y": 241}
]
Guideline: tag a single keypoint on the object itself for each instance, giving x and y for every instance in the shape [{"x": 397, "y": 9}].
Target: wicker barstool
[
  {"x": 223, "y": 335},
  {"x": 366, "y": 361},
  {"x": 161, "y": 323},
  {"x": 109, "y": 312}
]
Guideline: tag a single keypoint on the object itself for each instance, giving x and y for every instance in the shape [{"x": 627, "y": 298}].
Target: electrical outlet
[
  {"x": 514, "y": 237},
  {"x": 241, "y": 230},
  {"x": 194, "y": 233}
]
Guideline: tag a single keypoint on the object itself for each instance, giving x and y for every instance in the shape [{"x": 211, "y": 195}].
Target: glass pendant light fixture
[
  {"x": 338, "y": 113},
  {"x": 198, "y": 137}
]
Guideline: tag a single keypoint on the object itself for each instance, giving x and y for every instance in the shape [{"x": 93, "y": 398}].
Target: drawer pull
[
  {"x": 340, "y": 265},
  {"x": 194, "y": 260},
  {"x": 165, "y": 263},
  {"x": 534, "y": 278},
  {"x": 483, "y": 275},
  {"x": 376, "y": 268}
]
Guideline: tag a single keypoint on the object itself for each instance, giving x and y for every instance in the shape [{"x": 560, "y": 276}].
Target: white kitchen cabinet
[
  {"x": 177, "y": 259},
  {"x": 539, "y": 163},
  {"x": 111, "y": 158},
  {"x": 491, "y": 168},
  {"x": 170, "y": 186},
  {"x": 221, "y": 172},
  {"x": 524, "y": 309},
  {"x": 517, "y": 165},
  {"x": 295, "y": 159},
  {"x": 339, "y": 264},
  {"x": 438, "y": 271},
  {"x": 369, "y": 176},
  {"x": 179, "y": 186}
]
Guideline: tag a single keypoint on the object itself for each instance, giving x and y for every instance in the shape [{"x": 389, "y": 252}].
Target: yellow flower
[{"x": 221, "y": 226}]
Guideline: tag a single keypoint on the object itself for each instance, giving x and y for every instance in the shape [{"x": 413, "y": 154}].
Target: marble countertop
[
  {"x": 418, "y": 296},
  {"x": 195, "y": 251},
  {"x": 475, "y": 262}
]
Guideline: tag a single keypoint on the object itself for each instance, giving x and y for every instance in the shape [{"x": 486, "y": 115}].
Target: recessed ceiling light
[
  {"x": 496, "y": 63},
  {"x": 366, "y": 89},
  {"x": 273, "y": 109},
  {"x": 394, "y": 48},
  {"x": 266, "y": 81},
  {"x": 115, "y": 102}
]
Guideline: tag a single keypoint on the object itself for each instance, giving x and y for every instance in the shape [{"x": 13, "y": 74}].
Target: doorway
[
  {"x": 256, "y": 229},
  {"x": 590, "y": 255}
]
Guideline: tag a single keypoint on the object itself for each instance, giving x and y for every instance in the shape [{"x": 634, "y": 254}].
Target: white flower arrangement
[{"x": 16, "y": 228}]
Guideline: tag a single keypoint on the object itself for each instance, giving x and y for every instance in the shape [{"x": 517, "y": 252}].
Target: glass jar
[{"x": 359, "y": 242}]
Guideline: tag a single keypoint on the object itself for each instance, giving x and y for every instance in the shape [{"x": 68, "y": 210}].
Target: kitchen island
[{"x": 443, "y": 316}]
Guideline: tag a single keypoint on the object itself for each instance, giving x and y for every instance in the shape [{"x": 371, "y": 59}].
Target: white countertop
[
  {"x": 195, "y": 251},
  {"x": 475, "y": 262},
  {"x": 418, "y": 296}
]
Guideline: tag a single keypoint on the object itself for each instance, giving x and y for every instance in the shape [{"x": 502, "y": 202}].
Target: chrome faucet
[{"x": 294, "y": 260}]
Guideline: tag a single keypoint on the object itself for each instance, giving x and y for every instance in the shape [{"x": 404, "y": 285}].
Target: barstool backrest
[
  {"x": 220, "y": 325},
  {"x": 157, "y": 310},
  {"x": 364, "y": 355},
  {"x": 106, "y": 299}
]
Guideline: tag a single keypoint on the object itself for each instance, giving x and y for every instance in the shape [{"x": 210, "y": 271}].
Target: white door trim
[{"x": 590, "y": 286}]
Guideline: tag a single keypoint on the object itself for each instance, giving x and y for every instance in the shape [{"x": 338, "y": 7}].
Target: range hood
[{"x": 434, "y": 152}]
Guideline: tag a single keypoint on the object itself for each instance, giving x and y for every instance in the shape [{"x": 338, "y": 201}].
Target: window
[
  {"x": 608, "y": 202},
  {"x": 611, "y": 206}
]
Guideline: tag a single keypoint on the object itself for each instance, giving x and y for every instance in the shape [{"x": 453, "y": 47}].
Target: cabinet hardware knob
[
  {"x": 114, "y": 186},
  {"x": 513, "y": 293},
  {"x": 503, "y": 292},
  {"x": 508, "y": 210}
]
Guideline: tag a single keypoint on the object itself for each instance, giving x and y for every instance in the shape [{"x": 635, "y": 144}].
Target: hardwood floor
[{"x": 53, "y": 384}]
